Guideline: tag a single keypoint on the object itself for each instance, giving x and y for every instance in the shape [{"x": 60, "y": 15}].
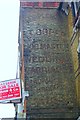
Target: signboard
[
  {"x": 48, "y": 64},
  {"x": 10, "y": 90}
]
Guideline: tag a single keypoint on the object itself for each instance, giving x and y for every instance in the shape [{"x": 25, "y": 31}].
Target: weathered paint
[{"x": 42, "y": 98}]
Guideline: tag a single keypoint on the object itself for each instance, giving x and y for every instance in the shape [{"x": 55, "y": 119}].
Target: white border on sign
[{"x": 9, "y": 99}]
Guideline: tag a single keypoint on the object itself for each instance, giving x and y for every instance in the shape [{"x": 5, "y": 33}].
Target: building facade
[{"x": 47, "y": 62}]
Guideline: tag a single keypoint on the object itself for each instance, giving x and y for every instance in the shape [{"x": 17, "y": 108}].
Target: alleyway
[{"x": 49, "y": 70}]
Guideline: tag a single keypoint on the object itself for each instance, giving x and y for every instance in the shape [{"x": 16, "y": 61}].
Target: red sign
[{"x": 10, "y": 90}]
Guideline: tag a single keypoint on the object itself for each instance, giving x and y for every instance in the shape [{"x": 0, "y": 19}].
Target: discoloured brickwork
[
  {"x": 48, "y": 65},
  {"x": 74, "y": 54}
]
